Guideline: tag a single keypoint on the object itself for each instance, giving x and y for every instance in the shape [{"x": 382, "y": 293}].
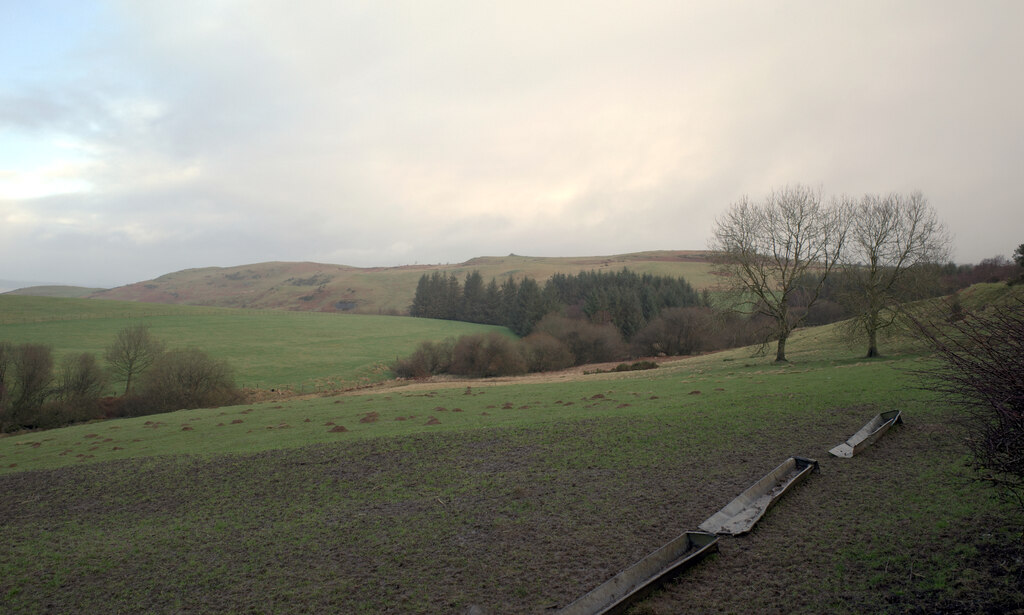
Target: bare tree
[
  {"x": 891, "y": 239},
  {"x": 80, "y": 378},
  {"x": 26, "y": 372},
  {"x": 769, "y": 250},
  {"x": 132, "y": 353}
]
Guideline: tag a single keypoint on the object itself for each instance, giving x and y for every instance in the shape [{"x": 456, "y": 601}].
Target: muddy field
[{"x": 513, "y": 521}]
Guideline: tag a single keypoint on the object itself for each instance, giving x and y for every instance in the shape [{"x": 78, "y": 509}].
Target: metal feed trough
[
  {"x": 740, "y": 515},
  {"x": 873, "y": 430},
  {"x": 634, "y": 583}
]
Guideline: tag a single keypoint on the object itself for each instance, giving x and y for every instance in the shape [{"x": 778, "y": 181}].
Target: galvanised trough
[
  {"x": 873, "y": 430},
  {"x": 636, "y": 582},
  {"x": 740, "y": 515}
]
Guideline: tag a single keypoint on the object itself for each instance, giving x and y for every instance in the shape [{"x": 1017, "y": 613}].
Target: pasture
[
  {"x": 515, "y": 495},
  {"x": 301, "y": 351}
]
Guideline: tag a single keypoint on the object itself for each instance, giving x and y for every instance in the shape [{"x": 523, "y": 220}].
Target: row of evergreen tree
[{"x": 625, "y": 298}]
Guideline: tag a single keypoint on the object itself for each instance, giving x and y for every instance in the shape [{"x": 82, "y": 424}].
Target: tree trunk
[
  {"x": 780, "y": 355},
  {"x": 873, "y": 343}
]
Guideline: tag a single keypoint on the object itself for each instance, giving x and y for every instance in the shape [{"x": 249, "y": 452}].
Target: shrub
[
  {"x": 188, "y": 378},
  {"x": 588, "y": 342},
  {"x": 545, "y": 353},
  {"x": 26, "y": 373},
  {"x": 982, "y": 372},
  {"x": 80, "y": 377},
  {"x": 428, "y": 359},
  {"x": 636, "y": 366},
  {"x": 487, "y": 355},
  {"x": 678, "y": 331},
  {"x": 80, "y": 384}
]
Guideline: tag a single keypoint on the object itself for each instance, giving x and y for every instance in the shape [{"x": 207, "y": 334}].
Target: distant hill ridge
[{"x": 377, "y": 290}]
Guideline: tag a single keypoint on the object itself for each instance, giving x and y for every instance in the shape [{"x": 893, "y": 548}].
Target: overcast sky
[{"x": 141, "y": 137}]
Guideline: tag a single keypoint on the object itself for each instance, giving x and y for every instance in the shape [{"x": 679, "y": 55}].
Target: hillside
[
  {"x": 55, "y": 291},
  {"x": 322, "y": 287},
  {"x": 513, "y": 495}
]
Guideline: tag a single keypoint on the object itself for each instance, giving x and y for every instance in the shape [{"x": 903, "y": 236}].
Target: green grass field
[
  {"x": 302, "y": 351},
  {"x": 516, "y": 495}
]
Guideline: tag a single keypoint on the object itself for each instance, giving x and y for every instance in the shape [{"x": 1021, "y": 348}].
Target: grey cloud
[{"x": 390, "y": 133}]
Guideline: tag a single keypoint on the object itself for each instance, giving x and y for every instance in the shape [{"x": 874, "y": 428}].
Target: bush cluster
[
  {"x": 557, "y": 343},
  {"x": 33, "y": 395}
]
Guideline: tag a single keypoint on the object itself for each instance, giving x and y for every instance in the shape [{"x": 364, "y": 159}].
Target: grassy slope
[
  {"x": 304, "y": 351},
  {"x": 517, "y": 502},
  {"x": 320, "y": 287},
  {"x": 526, "y": 497}
]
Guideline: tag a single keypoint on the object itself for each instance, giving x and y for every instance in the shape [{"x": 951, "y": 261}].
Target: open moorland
[
  {"x": 513, "y": 495},
  {"x": 320, "y": 287}
]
